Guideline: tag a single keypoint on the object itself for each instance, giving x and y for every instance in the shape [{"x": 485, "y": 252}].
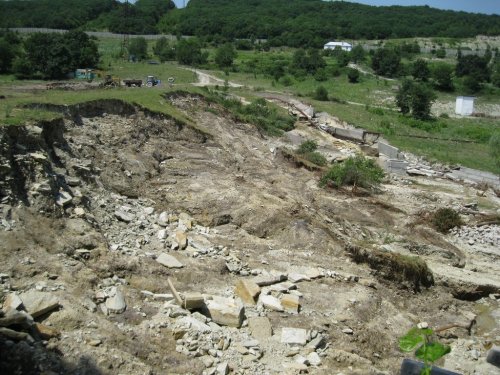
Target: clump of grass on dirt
[
  {"x": 445, "y": 219},
  {"x": 265, "y": 116},
  {"x": 307, "y": 150},
  {"x": 409, "y": 271}
]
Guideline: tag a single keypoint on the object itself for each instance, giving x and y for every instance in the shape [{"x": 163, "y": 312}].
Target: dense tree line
[
  {"x": 296, "y": 23},
  {"x": 139, "y": 18},
  {"x": 309, "y": 23},
  {"x": 47, "y": 56}
]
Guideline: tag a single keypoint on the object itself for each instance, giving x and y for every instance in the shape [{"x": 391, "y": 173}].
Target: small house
[
  {"x": 344, "y": 46},
  {"x": 464, "y": 105}
]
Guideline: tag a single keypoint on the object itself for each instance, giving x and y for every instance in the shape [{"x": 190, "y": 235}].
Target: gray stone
[
  {"x": 269, "y": 278},
  {"x": 226, "y": 311},
  {"x": 39, "y": 303},
  {"x": 260, "y": 328},
  {"x": 115, "y": 303},
  {"x": 12, "y": 302},
  {"x": 181, "y": 239},
  {"x": 126, "y": 217},
  {"x": 169, "y": 261},
  {"x": 247, "y": 290},
  {"x": 222, "y": 368},
  {"x": 293, "y": 336},
  {"x": 193, "y": 324},
  {"x": 163, "y": 219},
  {"x": 271, "y": 303},
  {"x": 63, "y": 198},
  {"x": 494, "y": 356},
  {"x": 314, "y": 359}
]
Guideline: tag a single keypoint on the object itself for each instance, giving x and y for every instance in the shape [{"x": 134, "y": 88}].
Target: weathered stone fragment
[
  {"x": 293, "y": 336},
  {"x": 181, "y": 239},
  {"x": 39, "y": 303},
  {"x": 269, "y": 278},
  {"x": 193, "y": 301},
  {"x": 247, "y": 290},
  {"x": 226, "y": 311},
  {"x": 12, "y": 302},
  {"x": 169, "y": 261},
  {"x": 271, "y": 303},
  {"x": 115, "y": 303},
  {"x": 260, "y": 328},
  {"x": 290, "y": 303}
]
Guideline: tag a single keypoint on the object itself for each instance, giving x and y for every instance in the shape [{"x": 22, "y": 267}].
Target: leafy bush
[
  {"x": 419, "y": 339},
  {"x": 321, "y": 94},
  {"x": 307, "y": 146},
  {"x": 446, "y": 218},
  {"x": 316, "y": 158},
  {"x": 356, "y": 171},
  {"x": 353, "y": 75}
]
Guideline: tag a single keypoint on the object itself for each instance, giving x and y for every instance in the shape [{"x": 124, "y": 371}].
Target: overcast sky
[{"x": 476, "y": 6}]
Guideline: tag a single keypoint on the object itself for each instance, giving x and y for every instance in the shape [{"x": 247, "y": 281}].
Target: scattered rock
[
  {"x": 115, "y": 304},
  {"x": 226, "y": 311},
  {"x": 169, "y": 261},
  {"x": 124, "y": 216},
  {"x": 271, "y": 303},
  {"x": 494, "y": 356},
  {"x": 290, "y": 303},
  {"x": 293, "y": 336},
  {"x": 314, "y": 359},
  {"x": 39, "y": 303},
  {"x": 247, "y": 290},
  {"x": 12, "y": 302},
  {"x": 269, "y": 279},
  {"x": 260, "y": 328},
  {"x": 181, "y": 239}
]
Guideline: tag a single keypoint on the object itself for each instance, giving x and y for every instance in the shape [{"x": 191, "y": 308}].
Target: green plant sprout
[{"x": 420, "y": 340}]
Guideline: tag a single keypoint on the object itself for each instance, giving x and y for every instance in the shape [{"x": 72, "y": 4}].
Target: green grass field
[{"x": 371, "y": 103}]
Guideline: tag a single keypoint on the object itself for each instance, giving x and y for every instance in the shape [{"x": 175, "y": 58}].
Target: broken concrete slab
[
  {"x": 247, "y": 290},
  {"x": 271, "y": 303},
  {"x": 169, "y": 261},
  {"x": 38, "y": 303},
  {"x": 226, "y": 311},
  {"x": 260, "y": 327},
  {"x": 291, "y": 303},
  {"x": 293, "y": 336}
]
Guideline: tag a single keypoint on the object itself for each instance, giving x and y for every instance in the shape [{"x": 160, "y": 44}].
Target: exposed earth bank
[{"x": 100, "y": 208}]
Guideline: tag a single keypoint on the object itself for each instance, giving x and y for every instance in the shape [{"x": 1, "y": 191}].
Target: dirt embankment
[{"x": 94, "y": 206}]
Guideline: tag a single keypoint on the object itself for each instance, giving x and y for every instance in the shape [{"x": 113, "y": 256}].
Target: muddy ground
[{"x": 80, "y": 204}]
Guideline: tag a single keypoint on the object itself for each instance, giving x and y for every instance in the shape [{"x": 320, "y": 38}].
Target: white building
[
  {"x": 464, "y": 105},
  {"x": 343, "y": 45}
]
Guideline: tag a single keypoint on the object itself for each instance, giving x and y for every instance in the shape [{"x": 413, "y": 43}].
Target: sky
[{"x": 475, "y": 6}]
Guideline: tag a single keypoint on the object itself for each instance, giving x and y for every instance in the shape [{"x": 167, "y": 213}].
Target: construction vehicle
[
  {"x": 110, "y": 81},
  {"x": 152, "y": 81},
  {"x": 132, "y": 82}
]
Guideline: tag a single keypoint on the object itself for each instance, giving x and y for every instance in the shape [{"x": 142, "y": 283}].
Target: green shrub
[
  {"x": 316, "y": 158},
  {"x": 307, "y": 146},
  {"x": 356, "y": 171},
  {"x": 321, "y": 94},
  {"x": 353, "y": 75},
  {"x": 446, "y": 218}
]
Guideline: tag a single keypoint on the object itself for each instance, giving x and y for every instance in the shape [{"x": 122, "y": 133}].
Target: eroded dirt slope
[{"x": 90, "y": 203}]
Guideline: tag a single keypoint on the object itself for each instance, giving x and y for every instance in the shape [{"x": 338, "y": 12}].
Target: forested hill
[
  {"x": 283, "y": 22},
  {"x": 298, "y": 22},
  {"x": 141, "y": 17}
]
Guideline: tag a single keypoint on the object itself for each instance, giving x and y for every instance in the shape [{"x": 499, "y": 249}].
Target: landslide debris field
[{"x": 100, "y": 209}]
